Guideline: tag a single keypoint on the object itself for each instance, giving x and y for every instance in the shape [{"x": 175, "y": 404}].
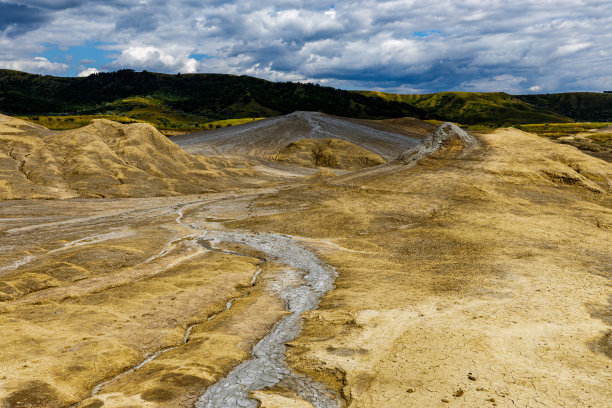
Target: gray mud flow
[
  {"x": 301, "y": 288},
  {"x": 264, "y": 138}
]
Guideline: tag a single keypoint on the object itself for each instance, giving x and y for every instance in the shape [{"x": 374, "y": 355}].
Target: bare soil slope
[
  {"x": 605, "y": 129},
  {"x": 334, "y": 153},
  {"x": 265, "y": 138},
  {"x": 476, "y": 279},
  {"x": 410, "y": 127},
  {"x": 104, "y": 159}
]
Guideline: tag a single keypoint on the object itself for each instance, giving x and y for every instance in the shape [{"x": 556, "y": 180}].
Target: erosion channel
[
  {"x": 304, "y": 280},
  {"x": 301, "y": 288}
]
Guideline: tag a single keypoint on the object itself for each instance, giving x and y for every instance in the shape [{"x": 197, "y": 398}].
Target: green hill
[
  {"x": 471, "y": 108},
  {"x": 187, "y": 102},
  {"x": 580, "y": 106},
  {"x": 181, "y": 101}
]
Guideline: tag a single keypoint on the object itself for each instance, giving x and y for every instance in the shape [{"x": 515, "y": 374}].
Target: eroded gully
[{"x": 301, "y": 288}]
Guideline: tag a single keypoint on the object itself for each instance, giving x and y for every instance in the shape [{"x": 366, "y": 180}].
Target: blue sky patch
[{"x": 423, "y": 34}]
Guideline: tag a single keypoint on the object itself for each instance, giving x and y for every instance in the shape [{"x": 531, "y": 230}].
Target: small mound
[
  {"x": 334, "y": 153},
  {"x": 447, "y": 140},
  {"x": 605, "y": 129},
  {"x": 411, "y": 127}
]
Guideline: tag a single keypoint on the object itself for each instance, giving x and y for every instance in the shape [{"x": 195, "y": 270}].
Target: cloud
[
  {"x": 51, "y": 4},
  {"x": 155, "y": 59},
  {"x": 497, "y": 83},
  {"x": 87, "y": 72},
  {"x": 141, "y": 19},
  {"x": 394, "y": 45},
  {"x": 16, "y": 19},
  {"x": 569, "y": 49},
  {"x": 535, "y": 88},
  {"x": 37, "y": 65}
]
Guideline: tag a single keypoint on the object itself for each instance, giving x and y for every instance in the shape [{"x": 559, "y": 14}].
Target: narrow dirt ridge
[
  {"x": 94, "y": 239},
  {"x": 446, "y": 134}
]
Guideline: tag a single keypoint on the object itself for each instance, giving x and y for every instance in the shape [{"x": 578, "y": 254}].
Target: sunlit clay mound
[{"x": 104, "y": 159}]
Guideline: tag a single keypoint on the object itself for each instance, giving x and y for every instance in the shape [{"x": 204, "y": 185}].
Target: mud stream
[
  {"x": 301, "y": 288},
  {"x": 305, "y": 281}
]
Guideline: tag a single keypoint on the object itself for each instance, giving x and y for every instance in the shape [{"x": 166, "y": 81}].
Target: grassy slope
[
  {"x": 555, "y": 130},
  {"x": 476, "y": 108},
  {"x": 182, "y": 101},
  {"x": 138, "y": 109},
  {"x": 580, "y": 106}
]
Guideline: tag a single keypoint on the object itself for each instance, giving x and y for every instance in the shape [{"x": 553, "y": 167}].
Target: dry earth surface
[
  {"x": 106, "y": 159},
  {"x": 470, "y": 272},
  {"x": 597, "y": 143}
]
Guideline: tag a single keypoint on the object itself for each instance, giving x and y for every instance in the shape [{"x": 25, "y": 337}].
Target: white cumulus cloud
[
  {"x": 154, "y": 58},
  {"x": 36, "y": 65},
  {"x": 87, "y": 72}
]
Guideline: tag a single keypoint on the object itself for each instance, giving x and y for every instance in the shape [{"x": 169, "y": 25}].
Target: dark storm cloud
[
  {"x": 405, "y": 45},
  {"x": 69, "y": 4},
  {"x": 53, "y": 4},
  {"x": 16, "y": 19}
]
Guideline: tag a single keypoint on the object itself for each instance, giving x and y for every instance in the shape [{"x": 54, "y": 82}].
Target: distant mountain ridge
[
  {"x": 195, "y": 97},
  {"x": 580, "y": 106},
  {"x": 476, "y": 107},
  {"x": 498, "y": 108},
  {"x": 186, "y": 102}
]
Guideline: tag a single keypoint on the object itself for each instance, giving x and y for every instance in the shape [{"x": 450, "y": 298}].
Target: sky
[{"x": 404, "y": 46}]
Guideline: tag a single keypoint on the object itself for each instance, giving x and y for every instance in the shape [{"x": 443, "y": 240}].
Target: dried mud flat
[{"x": 471, "y": 278}]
